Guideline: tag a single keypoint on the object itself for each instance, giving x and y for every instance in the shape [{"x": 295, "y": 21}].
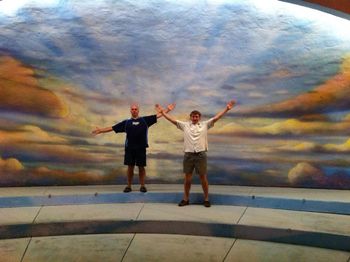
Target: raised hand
[
  {"x": 171, "y": 106},
  {"x": 230, "y": 104},
  {"x": 158, "y": 108}
]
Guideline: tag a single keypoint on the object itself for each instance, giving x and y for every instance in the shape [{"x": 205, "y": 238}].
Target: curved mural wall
[{"x": 68, "y": 66}]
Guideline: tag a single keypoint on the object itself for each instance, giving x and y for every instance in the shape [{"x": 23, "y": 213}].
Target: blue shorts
[{"x": 135, "y": 156}]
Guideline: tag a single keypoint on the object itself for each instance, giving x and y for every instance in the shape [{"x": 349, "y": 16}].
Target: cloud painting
[{"x": 69, "y": 66}]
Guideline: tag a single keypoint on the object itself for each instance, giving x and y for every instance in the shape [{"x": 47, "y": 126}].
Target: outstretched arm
[
  {"x": 167, "y": 110},
  {"x": 101, "y": 130},
  {"x": 229, "y": 106},
  {"x": 161, "y": 111}
]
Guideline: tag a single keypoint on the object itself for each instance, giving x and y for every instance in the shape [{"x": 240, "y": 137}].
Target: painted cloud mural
[{"x": 67, "y": 66}]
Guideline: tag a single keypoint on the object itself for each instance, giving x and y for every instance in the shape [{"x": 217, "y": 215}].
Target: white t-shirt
[{"x": 195, "y": 136}]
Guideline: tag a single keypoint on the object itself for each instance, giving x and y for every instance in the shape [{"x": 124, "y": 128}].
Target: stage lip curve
[{"x": 285, "y": 236}]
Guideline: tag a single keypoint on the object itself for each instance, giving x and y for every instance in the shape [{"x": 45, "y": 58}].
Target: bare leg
[
  {"x": 205, "y": 186},
  {"x": 142, "y": 175},
  {"x": 187, "y": 186},
  {"x": 130, "y": 174}
]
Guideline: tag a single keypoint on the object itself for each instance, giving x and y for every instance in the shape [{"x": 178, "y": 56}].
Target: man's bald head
[{"x": 134, "y": 110}]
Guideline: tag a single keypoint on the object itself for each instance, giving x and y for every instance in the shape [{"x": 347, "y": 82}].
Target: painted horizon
[{"x": 68, "y": 66}]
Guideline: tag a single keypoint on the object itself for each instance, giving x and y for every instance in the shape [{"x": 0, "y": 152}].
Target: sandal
[
  {"x": 184, "y": 203},
  {"x": 207, "y": 203},
  {"x": 127, "y": 189},
  {"x": 143, "y": 189}
]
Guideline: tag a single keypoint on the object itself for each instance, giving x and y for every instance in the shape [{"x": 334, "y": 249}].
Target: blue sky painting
[{"x": 67, "y": 66}]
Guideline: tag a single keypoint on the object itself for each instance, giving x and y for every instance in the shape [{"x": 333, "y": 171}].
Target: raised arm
[
  {"x": 228, "y": 107},
  {"x": 163, "y": 112},
  {"x": 101, "y": 130},
  {"x": 169, "y": 108}
]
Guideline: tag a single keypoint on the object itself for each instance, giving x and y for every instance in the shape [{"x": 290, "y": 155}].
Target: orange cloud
[
  {"x": 64, "y": 177},
  {"x": 59, "y": 153},
  {"x": 10, "y": 165},
  {"x": 342, "y": 148},
  {"x": 314, "y": 147},
  {"x": 20, "y": 91},
  {"x": 333, "y": 95},
  {"x": 13, "y": 173},
  {"x": 286, "y": 127},
  {"x": 32, "y": 141},
  {"x": 304, "y": 173},
  {"x": 29, "y": 133},
  {"x": 301, "y": 147}
]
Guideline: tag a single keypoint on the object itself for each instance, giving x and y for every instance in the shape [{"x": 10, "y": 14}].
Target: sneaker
[
  {"x": 207, "y": 203},
  {"x": 184, "y": 203},
  {"x": 143, "y": 189},
  {"x": 127, "y": 189}
]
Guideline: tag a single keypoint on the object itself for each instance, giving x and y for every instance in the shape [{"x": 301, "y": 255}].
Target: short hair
[
  {"x": 195, "y": 112},
  {"x": 135, "y": 104}
]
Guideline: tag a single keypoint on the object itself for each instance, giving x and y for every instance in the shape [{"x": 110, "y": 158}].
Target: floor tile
[
  {"x": 155, "y": 247},
  {"x": 199, "y": 213},
  {"x": 308, "y": 221},
  {"x": 17, "y": 215},
  {"x": 12, "y": 250},
  {"x": 260, "y": 251},
  {"x": 83, "y": 248},
  {"x": 89, "y": 212}
]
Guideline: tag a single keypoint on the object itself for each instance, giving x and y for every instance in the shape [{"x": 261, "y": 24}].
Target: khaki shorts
[{"x": 195, "y": 161}]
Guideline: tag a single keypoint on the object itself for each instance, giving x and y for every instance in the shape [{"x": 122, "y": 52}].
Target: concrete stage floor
[{"x": 100, "y": 223}]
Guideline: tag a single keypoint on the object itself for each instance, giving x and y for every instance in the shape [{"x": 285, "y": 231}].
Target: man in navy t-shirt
[{"x": 136, "y": 129}]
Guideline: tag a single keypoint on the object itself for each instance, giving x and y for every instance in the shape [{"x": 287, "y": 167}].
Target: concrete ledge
[{"x": 320, "y": 206}]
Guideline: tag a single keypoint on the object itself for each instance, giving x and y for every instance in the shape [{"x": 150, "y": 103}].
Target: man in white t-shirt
[{"x": 195, "y": 148}]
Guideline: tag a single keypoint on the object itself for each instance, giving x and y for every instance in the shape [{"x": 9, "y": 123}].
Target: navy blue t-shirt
[{"x": 136, "y": 130}]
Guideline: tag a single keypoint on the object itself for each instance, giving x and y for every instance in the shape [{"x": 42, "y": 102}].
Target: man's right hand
[
  {"x": 230, "y": 104},
  {"x": 159, "y": 108},
  {"x": 96, "y": 131}
]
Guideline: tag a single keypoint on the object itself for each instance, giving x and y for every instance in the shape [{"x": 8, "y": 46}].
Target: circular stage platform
[{"x": 100, "y": 223}]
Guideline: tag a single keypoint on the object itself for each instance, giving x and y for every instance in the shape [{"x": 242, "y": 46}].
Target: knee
[
  {"x": 188, "y": 178},
  {"x": 204, "y": 178}
]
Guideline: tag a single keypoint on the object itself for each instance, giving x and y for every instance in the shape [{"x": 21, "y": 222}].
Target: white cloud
[
  {"x": 11, "y": 7},
  {"x": 245, "y": 87},
  {"x": 256, "y": 95},
  {"x": 281, "y": 92}
]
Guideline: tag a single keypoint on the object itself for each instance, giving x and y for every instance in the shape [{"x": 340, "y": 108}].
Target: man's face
[
  {"x": 195, "y": 118},
  {"x": 134, "y": 110}
]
